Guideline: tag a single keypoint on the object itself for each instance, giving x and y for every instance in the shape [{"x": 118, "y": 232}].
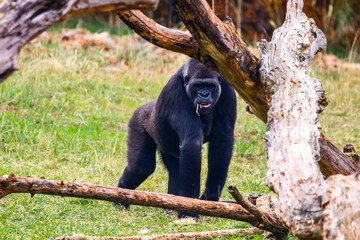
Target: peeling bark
[{"x": 341, "y": 203}]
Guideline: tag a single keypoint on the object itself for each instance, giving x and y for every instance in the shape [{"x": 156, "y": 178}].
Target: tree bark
[
  {"x": 13, "y": 184},
  {"x": 268, "y": 218},
  {"x": 311, "y": 206},
  {"x": 21, "y": 21},
  {"x": 96, "y": 6},
  {"x": 175, "y": 236},
  {"x": 218, "y": 46},
  {"x": 220, "y": 8}
]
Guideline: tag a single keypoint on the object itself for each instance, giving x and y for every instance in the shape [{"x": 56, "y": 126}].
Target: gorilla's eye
[
  {"x": 220, "y": 78},
  {"x": 186, "y": 79}
]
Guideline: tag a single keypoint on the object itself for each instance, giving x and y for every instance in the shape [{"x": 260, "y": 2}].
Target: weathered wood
[
  {"x": 21, "y": 21},
  {"x": 341, "y": 203},
  {"x": 218, "y": 45},
  {"x": 311, "y": 206},
  {"x": 175, "y": 236},
  {"x": 333, "y": 160},
  {"x": 269, "y": 219},
  {"x": 292, "y": 128},
  {"x": 14, "y": 184}
]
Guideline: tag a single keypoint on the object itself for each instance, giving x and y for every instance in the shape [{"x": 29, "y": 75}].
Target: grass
[{"x": 64, "y": 117}]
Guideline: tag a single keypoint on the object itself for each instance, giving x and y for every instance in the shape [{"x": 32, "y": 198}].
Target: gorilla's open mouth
[
  {"x": 205, "y": 105},
  {"x": 201, "y": 106}
]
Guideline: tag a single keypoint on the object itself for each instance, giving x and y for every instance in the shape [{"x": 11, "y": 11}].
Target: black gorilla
[{"x": 196, "y": 106}]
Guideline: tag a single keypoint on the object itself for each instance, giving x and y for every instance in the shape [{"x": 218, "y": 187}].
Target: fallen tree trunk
[
  {"x": 175, "y": 236},
  {"x": 13, "y": 184},
  {"x": 21, "y": 21},
  {"x": 311, "y": 206}
]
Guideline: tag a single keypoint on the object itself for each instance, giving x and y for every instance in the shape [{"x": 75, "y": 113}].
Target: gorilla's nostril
[{"x": 204, "y": 93}]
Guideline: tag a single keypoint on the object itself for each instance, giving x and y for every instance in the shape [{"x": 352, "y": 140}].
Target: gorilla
[{"x": 196, "y": 106}]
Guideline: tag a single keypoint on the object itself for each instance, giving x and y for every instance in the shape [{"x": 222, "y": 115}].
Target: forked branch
[{"x": 272, "y": 220}]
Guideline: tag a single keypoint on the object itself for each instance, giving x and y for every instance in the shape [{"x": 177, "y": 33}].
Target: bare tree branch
[
  {"x": 14, "y": 184},
  {"x": 272, "y": 221},
  {"x": 176, "y": 236},
  {"x": 173, "y": 40}
]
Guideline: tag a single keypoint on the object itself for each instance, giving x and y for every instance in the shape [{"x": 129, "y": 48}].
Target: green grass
[{"x": 64, "y": 117}]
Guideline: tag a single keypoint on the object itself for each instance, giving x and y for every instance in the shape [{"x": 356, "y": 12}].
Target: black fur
[{"x": 172, "y": 125}]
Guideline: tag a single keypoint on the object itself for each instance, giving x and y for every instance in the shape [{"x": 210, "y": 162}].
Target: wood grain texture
[{"x": 311, "y": 206}]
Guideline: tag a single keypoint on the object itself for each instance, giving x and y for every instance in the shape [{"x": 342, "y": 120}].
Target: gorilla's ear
[{"x": 186, "y": 79}]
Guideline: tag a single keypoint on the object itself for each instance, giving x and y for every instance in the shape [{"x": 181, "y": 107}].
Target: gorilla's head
[{"x": 202, "y": 86}]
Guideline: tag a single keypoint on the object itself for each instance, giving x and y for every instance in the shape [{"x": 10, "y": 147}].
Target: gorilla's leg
[
  {"x": 190, "y": 169},
  {"x": 141, "y": 156},
  {"x": 219, "y": 156},
  {"x": 172, "y": 165}
]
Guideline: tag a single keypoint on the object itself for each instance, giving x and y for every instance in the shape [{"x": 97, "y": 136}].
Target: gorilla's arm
[{"x": 221, "y": 144}]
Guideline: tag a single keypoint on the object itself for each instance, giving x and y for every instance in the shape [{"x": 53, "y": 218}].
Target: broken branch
[
  {"x": 175, "y": 236},
  {"x": 271, "y": 221}
]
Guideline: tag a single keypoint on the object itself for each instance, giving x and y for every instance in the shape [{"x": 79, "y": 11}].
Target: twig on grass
[{"x": 175, "y": 236}]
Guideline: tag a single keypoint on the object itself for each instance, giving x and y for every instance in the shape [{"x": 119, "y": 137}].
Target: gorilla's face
[{"x": 203, "y": 89}]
